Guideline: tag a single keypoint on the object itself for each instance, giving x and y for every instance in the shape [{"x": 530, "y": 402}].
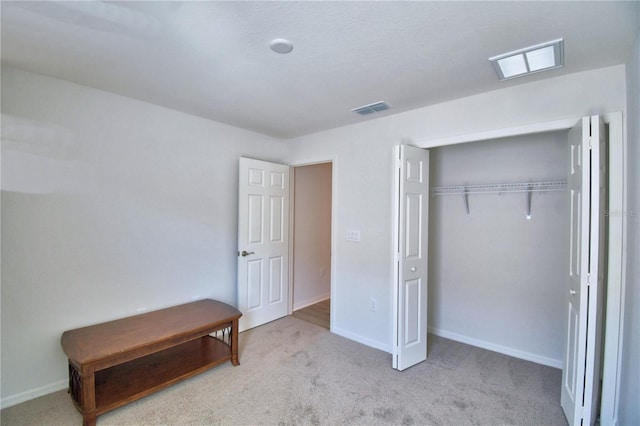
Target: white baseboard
[
  {"x": 34, "y": 393},
  {"x": 538, "y": 359},
  {"x": 312, "y": 301},
  {"x": 360, "y": 339}
]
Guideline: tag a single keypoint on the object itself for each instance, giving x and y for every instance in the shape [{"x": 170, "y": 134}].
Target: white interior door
[
  {"x": 411, "y": 209},
  {"x": 263, "y": 242},
  {"x": 587, "y": 183}
]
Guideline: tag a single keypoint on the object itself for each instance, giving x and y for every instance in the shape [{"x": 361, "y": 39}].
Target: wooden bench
[{"x": 117, "y": 362}]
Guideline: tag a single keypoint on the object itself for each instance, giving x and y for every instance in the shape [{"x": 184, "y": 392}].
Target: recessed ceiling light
[
  {"x": 281, "y": 45},
  {"x": 541, "y": 57}
]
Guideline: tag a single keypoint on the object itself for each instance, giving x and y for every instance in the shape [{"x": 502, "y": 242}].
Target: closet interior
[{"x": 498, "y": 244}]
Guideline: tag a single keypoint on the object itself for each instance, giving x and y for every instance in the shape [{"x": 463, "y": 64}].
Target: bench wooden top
[{"x": 102, "y": 341}]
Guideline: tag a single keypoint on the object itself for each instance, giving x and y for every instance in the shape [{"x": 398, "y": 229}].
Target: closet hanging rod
[{"x": 498, "y": 188}]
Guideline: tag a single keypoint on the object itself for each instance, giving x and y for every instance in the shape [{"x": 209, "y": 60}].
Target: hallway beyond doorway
[{"x": 317, "y": 314}]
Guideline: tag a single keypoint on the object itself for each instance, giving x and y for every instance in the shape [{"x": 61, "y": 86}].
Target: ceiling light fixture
[
  {"x": 541, "y": 57},
  {"x": 281, "y": 45}
]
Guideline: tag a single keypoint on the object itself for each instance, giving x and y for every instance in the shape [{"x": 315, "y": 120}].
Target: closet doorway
[
  {"x": 498, "y": 252},
  {"x": 614, "y": 253},
  {"x": 311, "y": 242}
]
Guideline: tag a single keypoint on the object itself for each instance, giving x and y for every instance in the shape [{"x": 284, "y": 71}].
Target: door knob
[
  {"x": 246, "y": 253},
  {"x": 572, "y": 292},
  {"x": 413, "y": 269}
]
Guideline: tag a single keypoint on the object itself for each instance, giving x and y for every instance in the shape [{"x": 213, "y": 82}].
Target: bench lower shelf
[{"x": 124, "y": 383}]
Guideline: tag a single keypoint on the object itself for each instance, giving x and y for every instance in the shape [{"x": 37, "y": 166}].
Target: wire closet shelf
[{"x": 500, "y": 188}]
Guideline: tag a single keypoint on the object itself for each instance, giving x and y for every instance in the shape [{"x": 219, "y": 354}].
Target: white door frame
[
  {"x": 334, "y": 191},
  {"x": 616, "y": 253}
]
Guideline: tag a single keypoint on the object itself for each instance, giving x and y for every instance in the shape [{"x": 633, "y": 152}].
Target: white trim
[
  {"x": 334, "y": 219},
  {"x": 292, "y": 225},
  {"x": 616, "y": 256},
  {"x": 25, "y": 396},
  {"x": 312, "y": 301},
  {"x": 528, "y": 356},
  {"x": 396, "y": 168},
  {"x": 314, "y": 161},
  {"x": 360, "y": 339},
  {"x": 548, "y": 126},
  {"x": 334, "y": 239}
]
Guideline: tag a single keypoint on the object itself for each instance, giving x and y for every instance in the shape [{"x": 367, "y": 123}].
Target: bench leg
[
  {"x": 89, "y": 420},
  {"x": 82, "y": 392},
  {"x": 234, "y": 343},
  {"x": 88, "y": 398}
]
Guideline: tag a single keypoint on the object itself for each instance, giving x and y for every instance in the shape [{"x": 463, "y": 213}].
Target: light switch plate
[{"x": 353, "y": 236}]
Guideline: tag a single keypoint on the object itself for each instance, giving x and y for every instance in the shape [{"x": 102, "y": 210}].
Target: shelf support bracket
[
  {"x": 529, "y": 195},
  {"x": 465, "y": 195}
]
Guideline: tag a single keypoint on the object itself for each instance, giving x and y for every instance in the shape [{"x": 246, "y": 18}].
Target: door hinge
[
  {"x": 588, "y": 280},
  {"x": 590, "y": 143},
  {"x": 398, "y": 164}
]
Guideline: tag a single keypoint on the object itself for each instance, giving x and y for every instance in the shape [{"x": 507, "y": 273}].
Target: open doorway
[{"x": 311, "y": 248}]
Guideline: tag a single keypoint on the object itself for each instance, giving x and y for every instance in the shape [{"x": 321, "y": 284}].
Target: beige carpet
[{"x": 296, "y": 373}]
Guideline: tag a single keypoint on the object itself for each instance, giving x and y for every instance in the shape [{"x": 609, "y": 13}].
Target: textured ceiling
[{"x": 212, "y": 59}]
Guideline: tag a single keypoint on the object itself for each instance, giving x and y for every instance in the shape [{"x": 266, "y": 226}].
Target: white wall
[
  {"x": 496, "y": 278},
  {"x": 362, "y": 170},
  {"x": 109, "y": 205},
  {"x": 312, "y": 235},
  {"x": 629, "y": 408}
]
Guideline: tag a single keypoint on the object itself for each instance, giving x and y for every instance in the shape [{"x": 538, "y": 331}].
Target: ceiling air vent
[{"x": 371, "y": 108}]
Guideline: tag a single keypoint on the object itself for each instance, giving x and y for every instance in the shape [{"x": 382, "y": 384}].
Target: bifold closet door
[
  {"x": 580, "y": 395},
  {"x": 411, "y": 210}
]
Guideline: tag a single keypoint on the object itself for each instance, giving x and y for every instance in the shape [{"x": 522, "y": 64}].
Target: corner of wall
[{"x": 628, "y": 409}]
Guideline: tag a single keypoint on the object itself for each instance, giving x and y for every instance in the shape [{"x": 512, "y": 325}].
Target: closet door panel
[{"x": 410, "y": 263}]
